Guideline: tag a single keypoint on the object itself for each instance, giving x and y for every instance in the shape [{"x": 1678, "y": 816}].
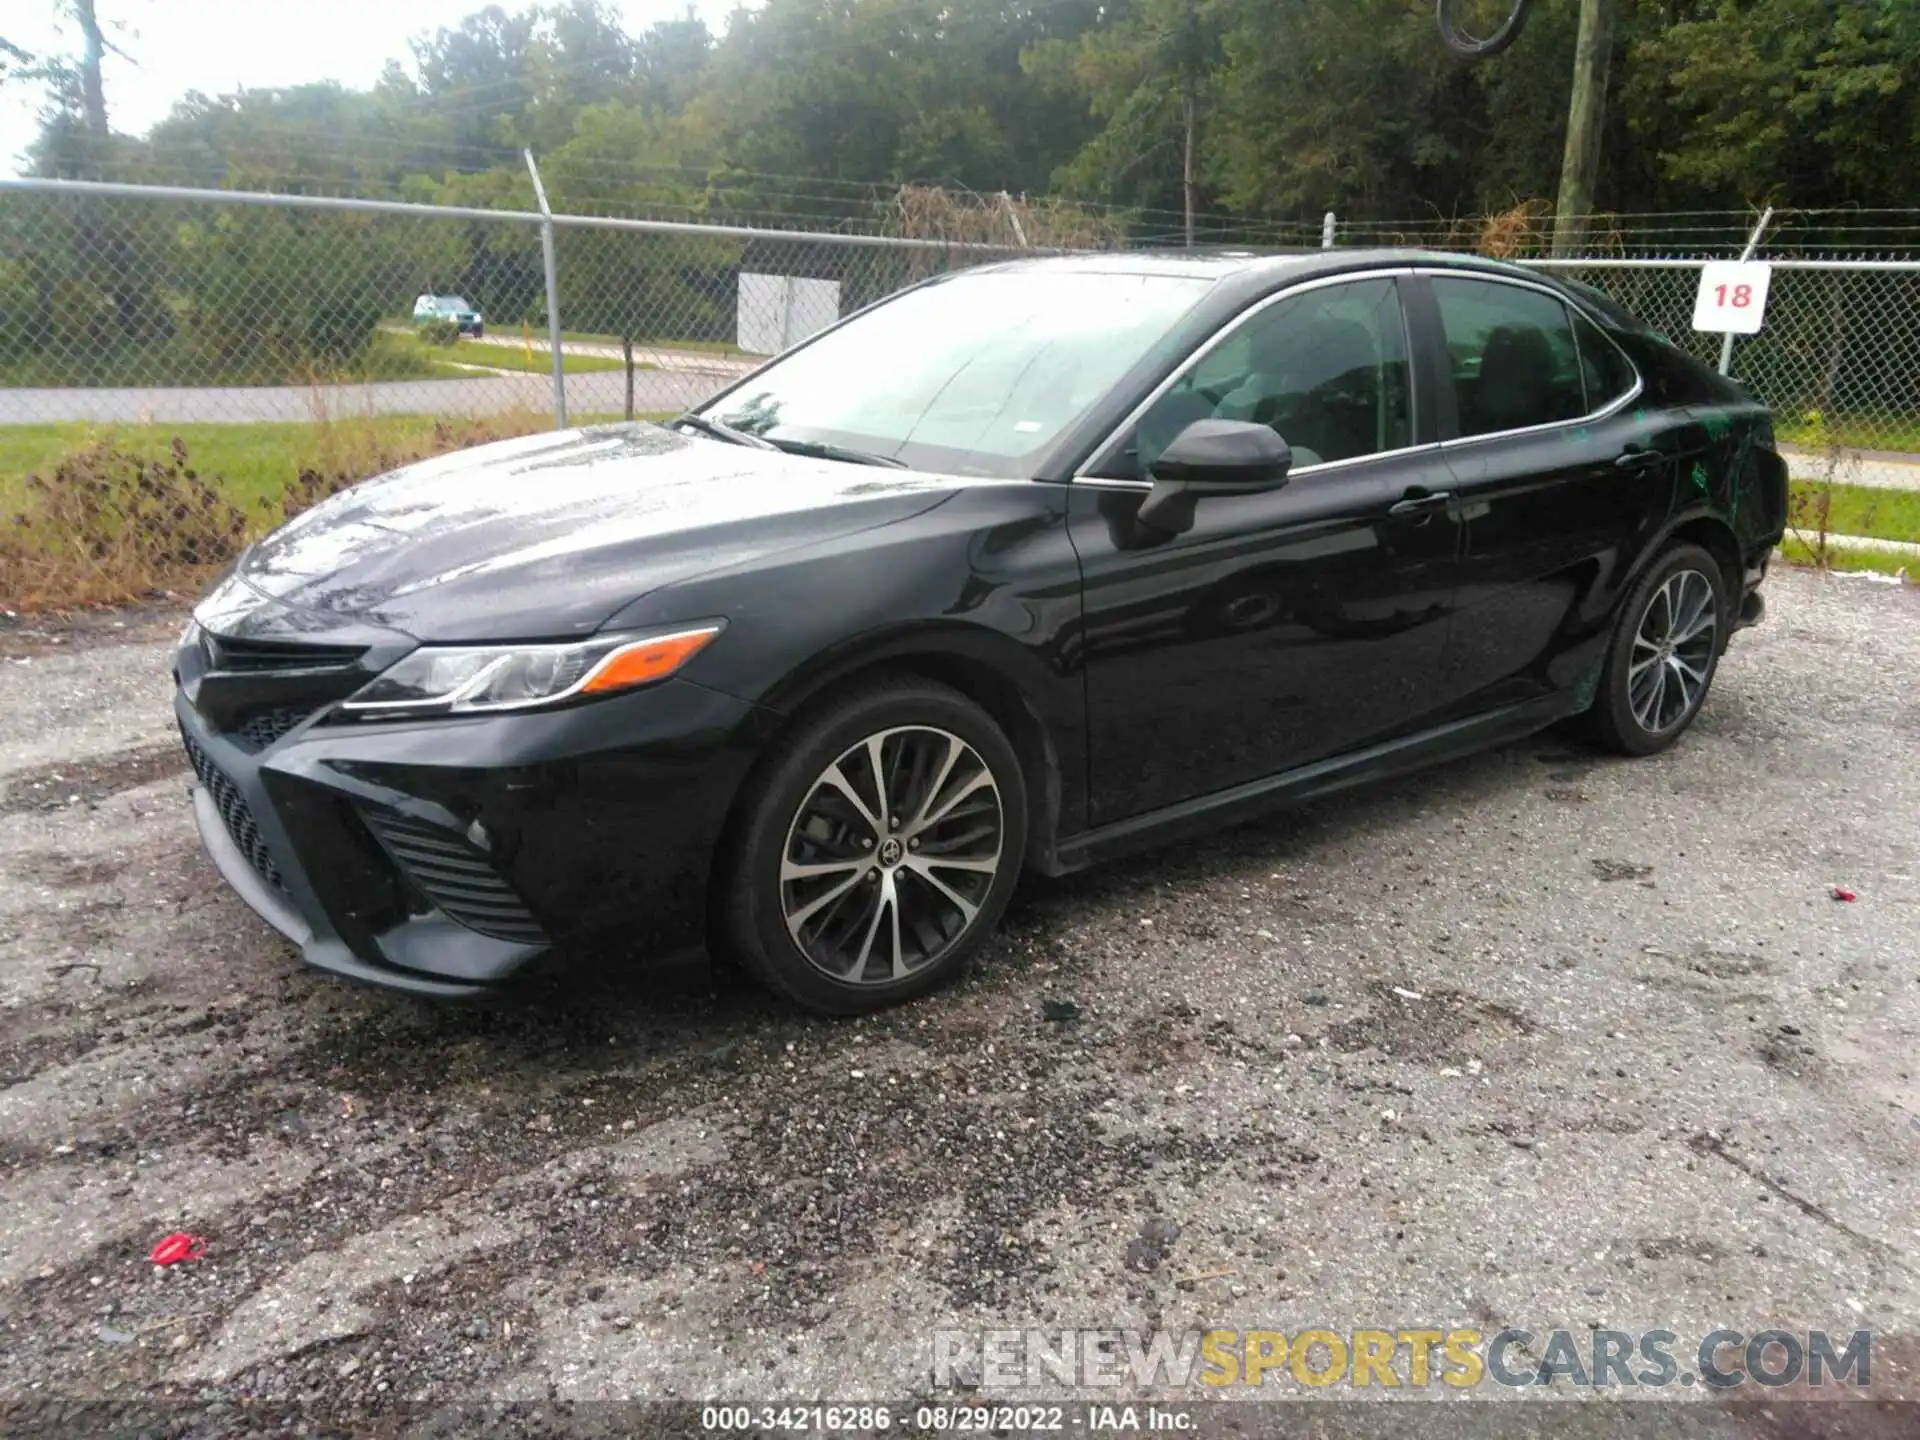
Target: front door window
[{"x": 1326, "y": 369}]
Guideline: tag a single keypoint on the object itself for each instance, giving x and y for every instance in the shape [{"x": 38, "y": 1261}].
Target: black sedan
[{"x": 1025, "y": 567}]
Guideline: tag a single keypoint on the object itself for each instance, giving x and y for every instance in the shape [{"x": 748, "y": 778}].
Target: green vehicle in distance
[{"x": 466, "y": 318}]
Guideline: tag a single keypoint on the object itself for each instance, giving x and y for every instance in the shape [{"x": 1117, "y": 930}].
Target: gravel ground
[{"x": 1541, "y": 1039}]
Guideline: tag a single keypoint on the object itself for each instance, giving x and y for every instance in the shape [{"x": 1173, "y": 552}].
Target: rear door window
[
  {"x": 1513, "y": 355},
  {"x": 1604, "y": 369}
]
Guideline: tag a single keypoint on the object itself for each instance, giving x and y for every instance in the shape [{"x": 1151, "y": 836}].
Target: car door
[
  {"x": 1560, "y": 480},
  {"x": 1286, "y": 625}
]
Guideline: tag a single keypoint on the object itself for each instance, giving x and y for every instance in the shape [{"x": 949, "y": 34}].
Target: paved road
[
  {"x": 1540, "y": 1039},
  {"x": 598, "y": 393},
  {"x": 1888, "y": 468}
]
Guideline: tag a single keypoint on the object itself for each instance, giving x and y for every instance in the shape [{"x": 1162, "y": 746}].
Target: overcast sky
[{"x": 218, "y": 46}]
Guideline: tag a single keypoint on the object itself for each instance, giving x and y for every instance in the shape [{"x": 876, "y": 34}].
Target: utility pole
[
  {"x": 1190, "y": 122},
  {"x": 93, "y": 95},
  {"x": 1586, "y": 124}
]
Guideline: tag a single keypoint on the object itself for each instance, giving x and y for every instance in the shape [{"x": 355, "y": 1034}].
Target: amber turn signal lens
[{"x": 646, "y": 660}]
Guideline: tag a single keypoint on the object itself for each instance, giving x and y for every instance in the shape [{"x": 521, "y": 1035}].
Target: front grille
[
  {"x": 234, "y": 813},
  {"x": 455, "y": 877},
  {"x": 264, "y": 657},
  {"x": 263, "y": 727}
]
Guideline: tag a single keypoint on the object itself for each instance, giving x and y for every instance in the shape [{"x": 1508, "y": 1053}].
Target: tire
[
  {"x": 1646, "y": 701},
  {"x": 813, "y": 889},
  {"x": 1468, "y": 43}
]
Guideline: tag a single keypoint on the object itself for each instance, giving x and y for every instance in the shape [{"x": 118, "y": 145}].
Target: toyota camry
[{"x": 1024, "y": 567}]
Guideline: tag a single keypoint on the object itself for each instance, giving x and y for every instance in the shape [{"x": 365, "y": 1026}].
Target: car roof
[{"x": 1247, "y": 271}]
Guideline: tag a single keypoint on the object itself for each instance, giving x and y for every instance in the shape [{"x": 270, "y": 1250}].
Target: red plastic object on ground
[
  {"x": 177, "y": 1247},
  {"x": 1841, "y": 892}
]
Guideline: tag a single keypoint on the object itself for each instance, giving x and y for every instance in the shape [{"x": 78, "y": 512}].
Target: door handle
[
  {"x": 1637, "y": 457},
  {"x": 1421, "y": 502}
]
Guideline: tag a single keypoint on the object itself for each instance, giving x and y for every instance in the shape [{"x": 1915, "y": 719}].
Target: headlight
[{"x": 448, "y": 680}]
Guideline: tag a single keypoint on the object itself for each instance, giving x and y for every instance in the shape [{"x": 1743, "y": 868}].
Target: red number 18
[{"x": 1742, "y": 296}]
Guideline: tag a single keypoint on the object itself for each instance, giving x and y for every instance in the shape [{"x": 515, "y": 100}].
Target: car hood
[{"x": 547, "y": 536}]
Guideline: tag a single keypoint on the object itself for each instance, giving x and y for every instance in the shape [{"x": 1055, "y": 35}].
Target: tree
[
  {"x": 75, "y": 138},
  {"x": 1348, "y": 105},
  {"x": 1814, "y": 102},
  {"x": 475, "y": 78},
  {"x": 15, "y": 63},
  {"x": 816, "y": 112},
  {"x": 670, "y": 63},
  {"x": 1148, "y": 77}
]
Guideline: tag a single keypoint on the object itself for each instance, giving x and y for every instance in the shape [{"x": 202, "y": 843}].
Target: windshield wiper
[
  {"x": 720, "y": 431},
  {"x": 818, "y": 449},
  {"x": 821, "y": 450}
]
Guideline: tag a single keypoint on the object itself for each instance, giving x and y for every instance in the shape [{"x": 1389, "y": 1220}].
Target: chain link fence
[
  {"x": 1839, "y": 362},
  {"x": 272, "y": 348},
  {"x": 178, "y": 308}
]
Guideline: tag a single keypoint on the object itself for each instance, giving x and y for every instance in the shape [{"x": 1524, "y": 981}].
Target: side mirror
[{"x": 1212, "y": 457}]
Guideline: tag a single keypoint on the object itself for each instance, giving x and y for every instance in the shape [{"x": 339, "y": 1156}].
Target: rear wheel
[
  {"x": 881, "y": 849},
  {"x": 1666, "y": 647}
]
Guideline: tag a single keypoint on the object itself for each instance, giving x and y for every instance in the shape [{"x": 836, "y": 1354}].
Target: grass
[
  {"x": 447, "y": 359},
  {"x": 247, "y": 463},
  {"x": 713, "y": 347},
  {"x": 1796, "y": 552},
  {"x": 1899, "y": 433},
  {"x": 1856, "y": 510}
]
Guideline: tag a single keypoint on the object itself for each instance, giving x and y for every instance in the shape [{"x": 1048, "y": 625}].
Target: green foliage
[
  {"x": 272, "y": 292},
  {"x": 818, "y": 111},
  {"x": 1785, "y": 99},
  {"x": 439, "y": 332},
  {"x": 114, "y": 514},
  {"x": 636, "y": 287}
]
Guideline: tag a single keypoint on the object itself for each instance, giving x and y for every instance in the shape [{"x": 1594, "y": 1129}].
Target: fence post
[
  {"x": 1328, "y": 228},
  {"x": 1013, "y": 215},
  {"x": 1753, "y": 244},
  {"x": 553, "y": 296}
]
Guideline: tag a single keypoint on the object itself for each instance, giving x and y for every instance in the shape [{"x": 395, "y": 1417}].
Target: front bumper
[{"x": 444, "y": 857}]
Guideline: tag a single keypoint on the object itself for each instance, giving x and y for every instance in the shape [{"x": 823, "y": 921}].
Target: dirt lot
[{"x": 1542, "y": 1040}]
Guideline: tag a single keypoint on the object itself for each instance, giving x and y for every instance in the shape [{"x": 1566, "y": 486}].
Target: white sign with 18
[{"x": 1733, "y": 297}]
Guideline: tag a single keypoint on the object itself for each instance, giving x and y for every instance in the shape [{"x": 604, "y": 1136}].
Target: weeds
[
  {"x": 106, "y": 525},
  {"x": 1810, "y": 506}
]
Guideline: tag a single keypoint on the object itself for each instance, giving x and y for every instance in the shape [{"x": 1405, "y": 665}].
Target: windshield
[{"x": 974, "y": 375}]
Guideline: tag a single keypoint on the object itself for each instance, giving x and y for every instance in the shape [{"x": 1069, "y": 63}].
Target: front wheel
[
  {"x": 1666, "y": 647},
  {"x": 1481, "y": 29},
  {"x": 880, "y": 850}
]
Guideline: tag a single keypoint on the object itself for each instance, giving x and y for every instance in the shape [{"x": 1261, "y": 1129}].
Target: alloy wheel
[
  {"x": 891, "y": 855},
  {"x": 1673, "y": 651}
]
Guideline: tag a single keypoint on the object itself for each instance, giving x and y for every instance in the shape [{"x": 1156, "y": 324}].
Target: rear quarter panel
[{"x": 1734, "y": 472}]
